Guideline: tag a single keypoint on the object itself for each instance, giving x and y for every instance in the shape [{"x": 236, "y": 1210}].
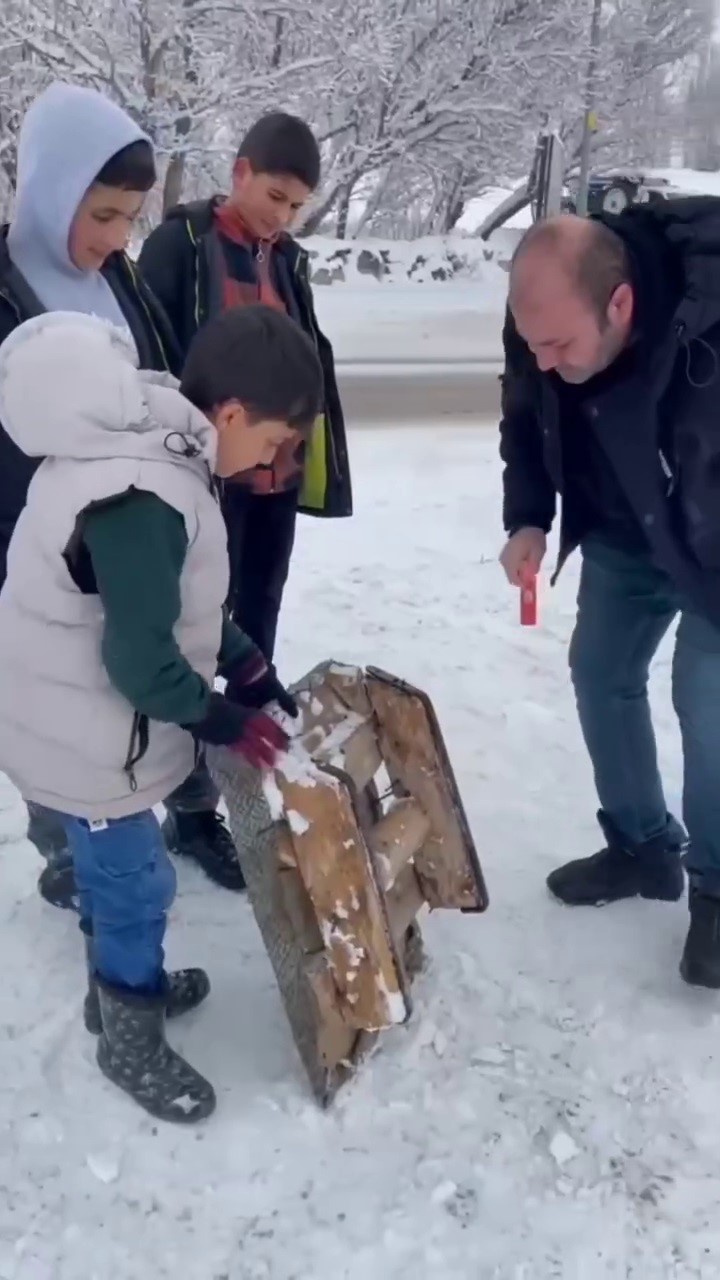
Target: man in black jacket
[
  {"x": 232, "y": 251},
  {"x": 611, "y": 398}
]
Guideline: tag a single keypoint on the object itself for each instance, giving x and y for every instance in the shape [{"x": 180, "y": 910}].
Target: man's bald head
[
  {"x": 570, "y": 295},
  {"x": 592, "y": 258}
]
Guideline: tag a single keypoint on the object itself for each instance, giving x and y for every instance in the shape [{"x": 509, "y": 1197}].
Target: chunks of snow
[
  {"x": 563, "y": 1148},
  {"x": 298, "y": 823},
  {"x": 104, "y": 1167}
]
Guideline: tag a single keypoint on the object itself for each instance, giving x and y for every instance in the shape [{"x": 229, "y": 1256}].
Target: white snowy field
[{"x": 552, "y": 1111}]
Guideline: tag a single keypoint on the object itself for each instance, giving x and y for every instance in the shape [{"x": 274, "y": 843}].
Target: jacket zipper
[
  {"x": 137, "y": 747},
  {"x": 259, "y": 259},
  {"x": 148, "y": 313},
  {"x": 196, "y": 247},
  {"x": 667, "y": 472}
]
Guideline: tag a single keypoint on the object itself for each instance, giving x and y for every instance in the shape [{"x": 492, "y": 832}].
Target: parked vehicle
[{"x": 616, "y": 189}]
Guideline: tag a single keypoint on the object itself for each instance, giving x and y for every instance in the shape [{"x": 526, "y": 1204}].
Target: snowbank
[
  {"x": 688, "y": 182},
  {"x": 477, "y": 210},
  {"x": 433, "y": 259},
  {"x": 445, "y": 303}
]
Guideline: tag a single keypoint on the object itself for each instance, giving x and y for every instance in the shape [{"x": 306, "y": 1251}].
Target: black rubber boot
[
  {"x": 185, "y": 990},
  {"x": 56, "y": 883},
  {"x": 700, "y": 964},
  {"x": 205, "y": 838},
  {"x": 621, "y": 870},
  {"x": 47, "y": 833},
  {"x": 134, "y": 1054}
]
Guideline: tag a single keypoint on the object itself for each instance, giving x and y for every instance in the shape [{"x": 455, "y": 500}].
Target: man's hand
[{"x": 523, "y": 554}]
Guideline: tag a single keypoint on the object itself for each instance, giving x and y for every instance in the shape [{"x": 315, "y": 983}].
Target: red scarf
[
  {"x": 230, "y": 224},
  {"x": 286, "y": 471}
]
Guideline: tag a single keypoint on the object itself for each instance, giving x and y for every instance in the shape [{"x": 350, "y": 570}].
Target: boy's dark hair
[
  {"x": 132, "y": 169},
  {"x": 282, "y": 144},
  {"x": 259, "y": 357}
]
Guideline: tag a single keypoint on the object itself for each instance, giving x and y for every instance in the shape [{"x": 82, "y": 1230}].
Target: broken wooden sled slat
[
  {"x": 333, "y": 863},
  {"x": 397, "y": 837},
  {"x": 335, "y": 1037},
  {"x": 447, "y": 865},
  {"x": 300, "y": 910},
  {"x": 255, "y": 833},
  {"x": 360, "y": 755},
  {"x": 404, "y": 901}
]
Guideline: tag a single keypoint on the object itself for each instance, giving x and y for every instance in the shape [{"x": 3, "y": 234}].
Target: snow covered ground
[{"x": 552, "y": 1111}]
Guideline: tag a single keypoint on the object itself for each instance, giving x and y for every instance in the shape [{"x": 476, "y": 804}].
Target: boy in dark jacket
[
  {"x": 232, "y": 251},
  {"x": 226, "y": 252}
]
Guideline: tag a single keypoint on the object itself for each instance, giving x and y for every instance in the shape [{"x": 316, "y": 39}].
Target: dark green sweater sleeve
[{"x": 137, "y": 546}]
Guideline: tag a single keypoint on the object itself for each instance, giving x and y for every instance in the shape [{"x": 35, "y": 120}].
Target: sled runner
[{"x": 342, "y": 848}]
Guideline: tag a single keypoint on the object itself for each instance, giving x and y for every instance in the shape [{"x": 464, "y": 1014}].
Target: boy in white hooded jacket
[{"x": 112, "y": 629}]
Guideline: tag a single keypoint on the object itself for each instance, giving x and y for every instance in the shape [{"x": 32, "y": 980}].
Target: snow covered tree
[
  {"x": 181, "y": 68},
  {"x": 418, "y": 104},
  {"x": 436, "y": 83},
  {"x": 641, "y": 45},
  {"x": 701, "y": 113}
]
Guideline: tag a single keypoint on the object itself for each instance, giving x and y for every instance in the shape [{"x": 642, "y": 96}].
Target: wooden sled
[{"x": 342, "y": 848}]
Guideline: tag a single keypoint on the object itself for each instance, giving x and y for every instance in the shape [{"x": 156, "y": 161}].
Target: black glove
[{"x": 249, "y": 687}]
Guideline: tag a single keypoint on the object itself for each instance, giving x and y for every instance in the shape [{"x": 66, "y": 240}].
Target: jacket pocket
[{"x": 137, "y": 747}]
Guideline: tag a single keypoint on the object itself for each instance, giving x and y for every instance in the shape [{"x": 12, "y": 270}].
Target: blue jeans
[
  {"x": 126, "y": 884},
  {"x": 625, "y": 607}
]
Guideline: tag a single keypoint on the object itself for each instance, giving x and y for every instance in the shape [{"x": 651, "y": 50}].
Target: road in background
[
  {"x": 407, "y": 393},
  {"x": 415, "y": 353}
]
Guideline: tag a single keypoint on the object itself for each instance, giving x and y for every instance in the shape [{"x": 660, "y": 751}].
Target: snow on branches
[{"x": 418, "y": 103}]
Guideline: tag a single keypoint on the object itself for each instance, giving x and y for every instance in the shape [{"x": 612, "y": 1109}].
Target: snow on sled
[{"x": 341, "y": 848}]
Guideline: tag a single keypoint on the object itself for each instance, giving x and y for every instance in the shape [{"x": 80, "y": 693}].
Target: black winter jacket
[
  {"x": 156, "y": 344},
  {"x": 659, "y": 427},
  {"x": 181, "y": 262}
]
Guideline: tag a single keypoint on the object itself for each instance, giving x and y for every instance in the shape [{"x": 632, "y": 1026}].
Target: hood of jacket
[
  {"x": 67, "y": 137},
  {"x": 70, "y": 388},
  {"x": 675, "y": 249}
]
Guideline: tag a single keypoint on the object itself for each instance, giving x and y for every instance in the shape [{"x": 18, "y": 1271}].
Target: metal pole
[{"x": 589, "y": 125}]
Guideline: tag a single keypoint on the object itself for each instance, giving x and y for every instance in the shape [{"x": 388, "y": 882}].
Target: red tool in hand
[{"x": 529, "y": 601}]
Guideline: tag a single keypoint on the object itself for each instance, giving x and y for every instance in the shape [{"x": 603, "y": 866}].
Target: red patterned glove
[
  {"x": 253, "y": 734},
  {"x": 262, "y": 741}
]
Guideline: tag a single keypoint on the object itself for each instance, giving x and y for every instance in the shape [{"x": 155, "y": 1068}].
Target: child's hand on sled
[
  {"x": 254, "y": 683},
  {"x": 250, "y": 732},
  {"x": 262, "y": 741}
]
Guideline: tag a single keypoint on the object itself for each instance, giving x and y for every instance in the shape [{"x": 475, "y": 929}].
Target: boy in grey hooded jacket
[{"x": 102, "y": 699}]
